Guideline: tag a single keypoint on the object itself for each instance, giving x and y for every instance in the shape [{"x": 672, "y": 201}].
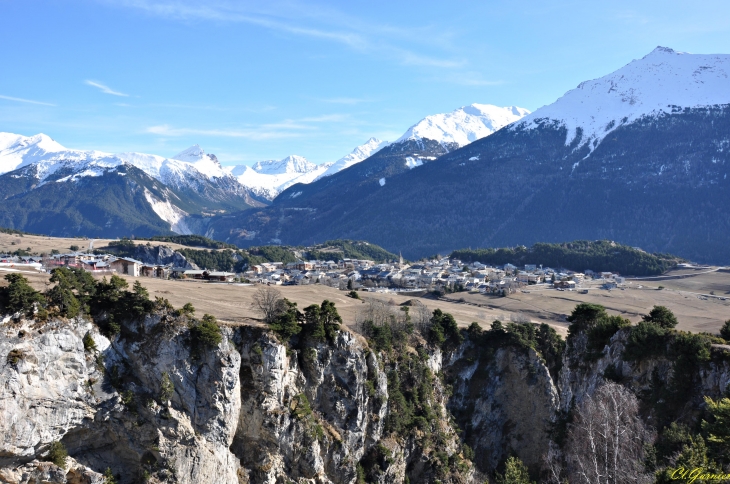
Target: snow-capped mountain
[
  {"x": 464, "y": 125},
  {"x": 268, "y": 178},
  {"x": 172, "y": 188},
  {"x": 207, "y": 164},
  {"x": 660, "y": 82},
  {"x": 641, "y": 156},
  {"x": 371, "y": 146},
  {"x": 49, "y": 156}
]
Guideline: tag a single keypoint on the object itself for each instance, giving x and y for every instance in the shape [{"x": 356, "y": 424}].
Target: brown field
[
  {"x": 683, "y": 296},
  {"x": 40, "y": 244}
]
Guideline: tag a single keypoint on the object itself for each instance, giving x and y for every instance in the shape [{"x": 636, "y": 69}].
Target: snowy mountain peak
[
  {"x": 290, "y": 164},
  {"x": 366, "y": 150},
  {"x": 191, "y": 155},
  {"x": 207, "y": 164},
  {"x": 464, "y": 125},
  {"x": 660, "y": 82}
]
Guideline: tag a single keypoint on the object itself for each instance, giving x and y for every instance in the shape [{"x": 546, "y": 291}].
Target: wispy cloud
[
  {"x": 310, "y": 21},
  {"x": 104, "y": 88},
  {"x": 28, "y": 101},
  {"x": 251, "y": 134},
  {"x": 288, "y": 128}
]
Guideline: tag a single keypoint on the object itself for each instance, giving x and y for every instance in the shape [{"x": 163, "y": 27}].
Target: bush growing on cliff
[
  {"x": 58, "y": 454},
  {"x": 321, "y": 323},
  {"x": 584, "y": 316},
  {"x": 662, "y": 316},
  {"x": 204, "y": 335},
  {"x": 515, "y": 472},
  {"x": 725, "y": 330},
  {"x": 444, "y": 331},
  {"x": 287, "y": 323},
  {"x": 19, "y": 296},
  {"x": 601, "y": 333}
]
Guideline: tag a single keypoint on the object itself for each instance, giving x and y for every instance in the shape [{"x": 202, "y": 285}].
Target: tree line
[{"x": 599, "y": 256}]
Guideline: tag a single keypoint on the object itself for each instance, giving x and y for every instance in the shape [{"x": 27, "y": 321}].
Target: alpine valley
[{"x": 639, "y": 156}]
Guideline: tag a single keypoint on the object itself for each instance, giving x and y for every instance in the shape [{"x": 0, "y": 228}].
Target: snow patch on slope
[
  {"x": 464, "y": 125},
  {"x": 660, "y": 82},
  {"x": 170, "y": 213}
]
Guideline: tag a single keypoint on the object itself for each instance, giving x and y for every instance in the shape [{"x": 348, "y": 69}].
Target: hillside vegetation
[
  {"x": 599, "y": 255},
  {"x": 350, "y": 249}
]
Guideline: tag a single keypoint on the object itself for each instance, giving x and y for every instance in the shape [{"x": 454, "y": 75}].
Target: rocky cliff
[{"x": 154, "y": 404}]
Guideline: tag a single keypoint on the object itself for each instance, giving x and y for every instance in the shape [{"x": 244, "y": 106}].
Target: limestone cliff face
[
  {"x": 53, "y": 389},
  {"x": 307, "y": 416},
  {"x": 246, "y": 411},
  {"x": 581, "y": 376},
  {"x": 506, "y": 401},
  {"x": 150, "y": 404}
]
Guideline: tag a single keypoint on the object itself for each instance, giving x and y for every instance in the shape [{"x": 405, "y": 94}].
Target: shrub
[
  {"x": 602, "y": 331},
  {"x": 205, "y": 334},
  {"x": 444, "y": 331},
  {"x": 167, "y": 388},
  {"x": 287, "y": 323},
  {"x": 19, "y": 296},
  {"x": 89, "y": 343},
  {"x": 109, "y": 476},
  {"x": 468, "y": 452},
  {"x": 353, "y": 294},
  {"x": 187, "y": 310},
  {"x": 645, "y": 341},
  {"x": 58, "y": 454},
  {"x": 14, "y": 356},
  {"x": 725, "y": 330},
  {"x": 584, "y": 316},
  {"x": 302, "y": 407},
  {"x": 128, "y": 399},
  {"x": 515, "y": 472}
]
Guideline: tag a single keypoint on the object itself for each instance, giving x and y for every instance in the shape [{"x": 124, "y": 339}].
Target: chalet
[
  {"x": 221, "y": 276},
  {"x": 158, "y": 271},
  {"x": 564, "y": 284},
  {"x": 194, "y": 274},
  {"x": 126, "y": 266}
]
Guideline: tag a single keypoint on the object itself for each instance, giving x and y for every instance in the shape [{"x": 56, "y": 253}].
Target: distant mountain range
[
  {"x": 639, "y": 156},
  {"x": 47, "y": 188},
  {"x": 450, "y": 131}
]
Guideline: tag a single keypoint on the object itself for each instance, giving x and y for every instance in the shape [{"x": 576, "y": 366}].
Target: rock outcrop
[{"x": 153, "y": 403}]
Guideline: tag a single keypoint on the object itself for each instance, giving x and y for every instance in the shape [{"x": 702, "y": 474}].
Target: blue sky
[{"x": 250, "y": 82}]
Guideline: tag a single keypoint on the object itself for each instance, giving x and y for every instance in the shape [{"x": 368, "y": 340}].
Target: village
[{"x": 437, "y": 275}]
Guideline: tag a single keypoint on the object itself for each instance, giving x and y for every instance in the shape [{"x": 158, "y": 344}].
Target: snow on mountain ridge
[
  {"x": 371, "y": 146},
  {"x": 17, "y": 151},
  {"x": 464, "y": 125},
  {"x": 290, "y": 164},
  {"x": 269, "y": 178},
  {"x": 656, "y": 83}
]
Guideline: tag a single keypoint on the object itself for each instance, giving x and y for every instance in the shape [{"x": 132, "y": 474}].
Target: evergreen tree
[
  {"x": 19, "y": 296},
  {"x": 662, "y": 316}
]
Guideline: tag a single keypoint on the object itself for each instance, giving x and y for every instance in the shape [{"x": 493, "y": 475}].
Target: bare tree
[
  {"x": 606, "y": 441},
  {"x": 268, "y": 302}
]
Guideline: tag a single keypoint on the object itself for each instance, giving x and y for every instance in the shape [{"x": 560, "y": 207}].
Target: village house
[{"x": 126, "y": 266}]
